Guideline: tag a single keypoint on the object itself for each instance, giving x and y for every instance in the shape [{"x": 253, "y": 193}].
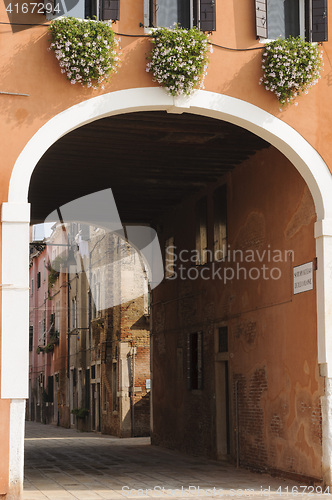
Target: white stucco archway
[{"x": 15, "y": 231}]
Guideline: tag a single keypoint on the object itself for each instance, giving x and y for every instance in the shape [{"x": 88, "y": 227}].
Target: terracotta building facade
[
  {"x": 238, "y": 193},
  {"x": 89, "y": 363}
]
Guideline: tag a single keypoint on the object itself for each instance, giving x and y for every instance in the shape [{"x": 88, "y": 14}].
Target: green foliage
[
  {"x": 179, "y": 59},
  {"x": 49, "y": 347},
  {"x": 290, "y": 67},
  {"x": 54, "y": 338},
  {"x": 85, "y": 49},
  {"x": 53, "y": 273},
  {"x": 80, "y": 412}
]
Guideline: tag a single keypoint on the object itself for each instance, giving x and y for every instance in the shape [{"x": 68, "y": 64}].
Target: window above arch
[
  {"x": 104, "y": 10},
  {"x": 284, "y": 18},
  {"x": 186, "y": 13}
]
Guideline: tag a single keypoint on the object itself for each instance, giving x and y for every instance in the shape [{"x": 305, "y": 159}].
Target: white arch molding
[{"x": 15, "y": 231}]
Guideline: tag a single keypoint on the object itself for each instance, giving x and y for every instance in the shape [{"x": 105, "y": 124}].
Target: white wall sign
[{"x": 303, "y": 278}]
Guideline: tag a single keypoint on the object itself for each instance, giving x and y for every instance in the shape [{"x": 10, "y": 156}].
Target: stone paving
[{"x": 63, "y": 464}]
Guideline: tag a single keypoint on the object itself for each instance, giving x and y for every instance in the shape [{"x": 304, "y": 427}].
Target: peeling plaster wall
[{"x": 272, "y": 355}]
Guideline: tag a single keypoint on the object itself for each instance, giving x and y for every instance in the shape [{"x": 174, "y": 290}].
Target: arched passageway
[{"x": 204, "y": 153}]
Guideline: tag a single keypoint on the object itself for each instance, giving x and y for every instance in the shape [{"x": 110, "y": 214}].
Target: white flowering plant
[
  {"x": 290, "y": 67},
  {"x": 85, "y": 49},
  {"x": 179, "y": 59}
]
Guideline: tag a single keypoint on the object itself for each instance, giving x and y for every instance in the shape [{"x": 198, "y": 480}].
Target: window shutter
[
  {"x": 30, "y": 338},
  {"x": 207, "y": 15},
  {"x": 152, "y": 13},
  {"x": 261, "y": 18},
  {"x": 319, "y": 21},
  {"x": 110, "y": 10}
]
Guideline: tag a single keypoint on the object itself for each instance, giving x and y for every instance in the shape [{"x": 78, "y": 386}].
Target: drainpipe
[
  {"x": 133, "y": 394},
  {"x": 237, "y": 423},
  {"x": 68, "y": 312}
]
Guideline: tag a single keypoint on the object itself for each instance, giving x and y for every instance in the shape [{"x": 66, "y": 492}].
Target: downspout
[
  {"x": 133, "y": 394},
  {"x": 68, "y": 315},
  {"x": 237, "y": 424}
]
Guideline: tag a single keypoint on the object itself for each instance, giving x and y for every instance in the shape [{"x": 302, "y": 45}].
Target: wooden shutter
[
  {"x": 110, "y": 10},
  {"x": 30, "y": 338},
  {"x": 319, "y": 21},
  {"x": 261, "y": 18},
  {"x": 152, "y": 13},
  {"x": 207, "y": 15}
]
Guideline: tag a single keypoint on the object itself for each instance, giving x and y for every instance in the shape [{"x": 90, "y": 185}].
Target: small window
[
  {"x": 38, "y": 280},
  {"x": 73, "y": 313},
  {"x": 57, "y": 316},
  {"x": 169, "y": 257},
  {"x": 281, "y": 19},
  {"x": 220, "y": 222},
  {"x": 96, "y": 296},
  {"x": 186, "y": 13},
  {"x": 201, "y": 231},
  {"x": 41, "y": 333},
  {"x": 30, "y": 338},
  {"x": 195, "y": 361},
  {"x": 223, "y": 339},
  {"x": 114, "y": 386},
  {"x": 50, "y": 389}
]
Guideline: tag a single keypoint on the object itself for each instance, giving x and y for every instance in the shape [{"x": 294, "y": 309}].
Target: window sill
[
  {"x": 50, "y": 17},
  {"x": 264, "y": 41}
]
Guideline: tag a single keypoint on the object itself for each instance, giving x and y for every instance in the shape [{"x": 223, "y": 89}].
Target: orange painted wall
[
  {"x": 272, "y": 333},
  {"x": 26, "y": 66}
]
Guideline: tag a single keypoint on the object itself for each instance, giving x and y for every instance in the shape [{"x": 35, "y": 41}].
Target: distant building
[{"x": 89, "y": 345}]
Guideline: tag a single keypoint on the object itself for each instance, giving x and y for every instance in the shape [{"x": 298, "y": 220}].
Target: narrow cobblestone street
[{"x": 65, "y": 464}]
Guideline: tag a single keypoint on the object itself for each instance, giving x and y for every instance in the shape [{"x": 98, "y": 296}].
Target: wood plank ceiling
[{"x": 151, "y": 160}]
